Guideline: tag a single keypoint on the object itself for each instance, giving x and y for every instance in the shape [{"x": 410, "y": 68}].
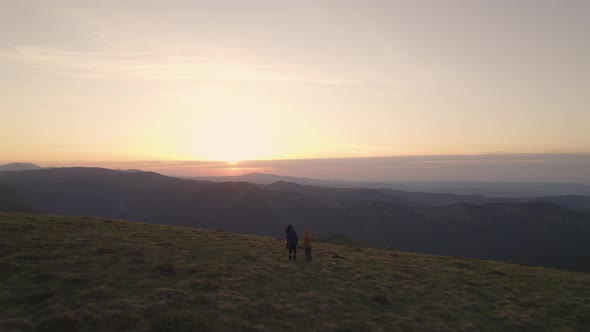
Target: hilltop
[
  {"x": 86, "y": 274},
  {"x": 19, "y": 167}
]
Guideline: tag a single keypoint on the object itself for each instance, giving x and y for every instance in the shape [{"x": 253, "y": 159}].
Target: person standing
[
  {"x": 291, "y": 242},
  {"x": 307, "y": 244}
]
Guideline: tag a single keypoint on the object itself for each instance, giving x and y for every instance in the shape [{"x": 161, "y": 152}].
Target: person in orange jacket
[{"x": 307, "y": 244}]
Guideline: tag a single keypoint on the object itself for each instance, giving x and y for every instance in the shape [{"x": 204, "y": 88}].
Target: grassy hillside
[{"x": 69, "y": 273}]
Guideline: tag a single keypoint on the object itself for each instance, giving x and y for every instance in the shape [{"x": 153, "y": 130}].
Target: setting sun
[{"x": 232, "y": 136}]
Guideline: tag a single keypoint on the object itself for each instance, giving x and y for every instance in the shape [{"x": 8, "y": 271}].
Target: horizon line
[{"x": 237, "y": 162}]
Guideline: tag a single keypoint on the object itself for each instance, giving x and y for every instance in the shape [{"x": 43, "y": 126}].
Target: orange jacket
[{"x": 307, "y": 239}]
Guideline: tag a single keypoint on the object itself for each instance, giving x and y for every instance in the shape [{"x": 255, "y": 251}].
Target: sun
[{"x": 234, "y": 137}]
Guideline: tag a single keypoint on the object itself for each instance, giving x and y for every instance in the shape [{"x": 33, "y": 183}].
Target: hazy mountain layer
[{"x": 532, "y": 233}]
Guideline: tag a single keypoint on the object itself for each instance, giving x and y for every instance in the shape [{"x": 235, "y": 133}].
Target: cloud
[{"x": 163, "y": 63}]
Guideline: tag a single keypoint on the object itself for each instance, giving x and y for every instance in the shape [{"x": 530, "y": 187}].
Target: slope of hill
[
  {"x": 535, "y": 233},
  {"x": 88, "y": 274},
  {"x": 530, "y": 233},
  {"x": 12, "y": 200},
  {"x": 576, "y": 202},
  {"x": 19, "y": 167}
]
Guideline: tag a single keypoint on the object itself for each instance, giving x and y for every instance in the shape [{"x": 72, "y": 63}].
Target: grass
[{"x": 87, "y": 274}]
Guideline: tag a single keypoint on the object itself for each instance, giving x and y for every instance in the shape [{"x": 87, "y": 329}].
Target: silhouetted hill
[
  {"x": 330, "y": 190},
  {"x": 87, "y": 274},
  {"x": 461, "y": 188},
  {"x": 530, "y": 233},
  {"x": 493, "y": 189},
  {"x": 18, "y": 167},
  {"x": 576, "y": 202},
  {"x": 336, "y": 195},
  {"x": 11, "y": 200},
  {"x": 419, "y": 199},
  {"x": 264, "y": 179},
  {"x": 152, "y": 197}
]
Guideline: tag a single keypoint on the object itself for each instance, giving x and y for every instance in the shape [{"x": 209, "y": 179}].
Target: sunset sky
[{"x": 85, "y": 82}]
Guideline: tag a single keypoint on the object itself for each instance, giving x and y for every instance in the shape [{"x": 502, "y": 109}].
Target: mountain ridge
[
  {"x": 534, "y": 234},
  {"x": 487, "y": 189}
]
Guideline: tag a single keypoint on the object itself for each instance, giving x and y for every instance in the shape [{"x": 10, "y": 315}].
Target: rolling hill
[
  {"x": 536, "y": 233},
  {"x": 19, "y": 167},
  {"x": 460, "y": 188},
  {"x": 440, "y": 194},
  {"x": 94, "y": 274}
]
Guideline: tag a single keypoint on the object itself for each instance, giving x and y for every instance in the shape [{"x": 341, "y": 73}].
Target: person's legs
[
  {"x": 307, "y": 254},
  {"x": 293, "y": 250}
]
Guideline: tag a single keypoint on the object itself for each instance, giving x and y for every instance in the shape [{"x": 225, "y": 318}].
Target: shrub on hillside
[
  {"x": 99, "y": 293},
  {"x": 104, "y": 251},
  {"x": 124, "y": 320},
  {"x": 165, "y": 269},
  {"x": 64, "y": 322},
  {"x": 37, "y": 297},
  {"x": 381, "y": 299},
  {"x": 89, "y": 318},
  {"x": 17, "y": 325},
  {"x": 179, "y": 321}
]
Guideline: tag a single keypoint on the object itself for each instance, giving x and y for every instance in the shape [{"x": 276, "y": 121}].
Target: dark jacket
[{"x": 291, "y": 237}]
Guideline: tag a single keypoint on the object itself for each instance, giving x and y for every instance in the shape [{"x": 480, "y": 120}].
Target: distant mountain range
[
  {"x": 420, "y": 199},
  {"x": 545, "y": 231},
  {"x": 340, "y": 190},
  {"x": 487, "y": 189},
  {"x": 262, "y": 178}
]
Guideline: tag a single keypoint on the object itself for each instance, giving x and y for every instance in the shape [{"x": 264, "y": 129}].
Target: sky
[{"x": 112, "y": 82}]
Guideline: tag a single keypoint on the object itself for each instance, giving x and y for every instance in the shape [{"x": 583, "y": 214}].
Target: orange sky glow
[{"x": 108, "y": 82}]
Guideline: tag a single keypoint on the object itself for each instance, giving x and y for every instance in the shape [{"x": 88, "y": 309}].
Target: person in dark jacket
[
  {"x": 291, "y": 242},
  {"x": 287, "y": 230}
]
